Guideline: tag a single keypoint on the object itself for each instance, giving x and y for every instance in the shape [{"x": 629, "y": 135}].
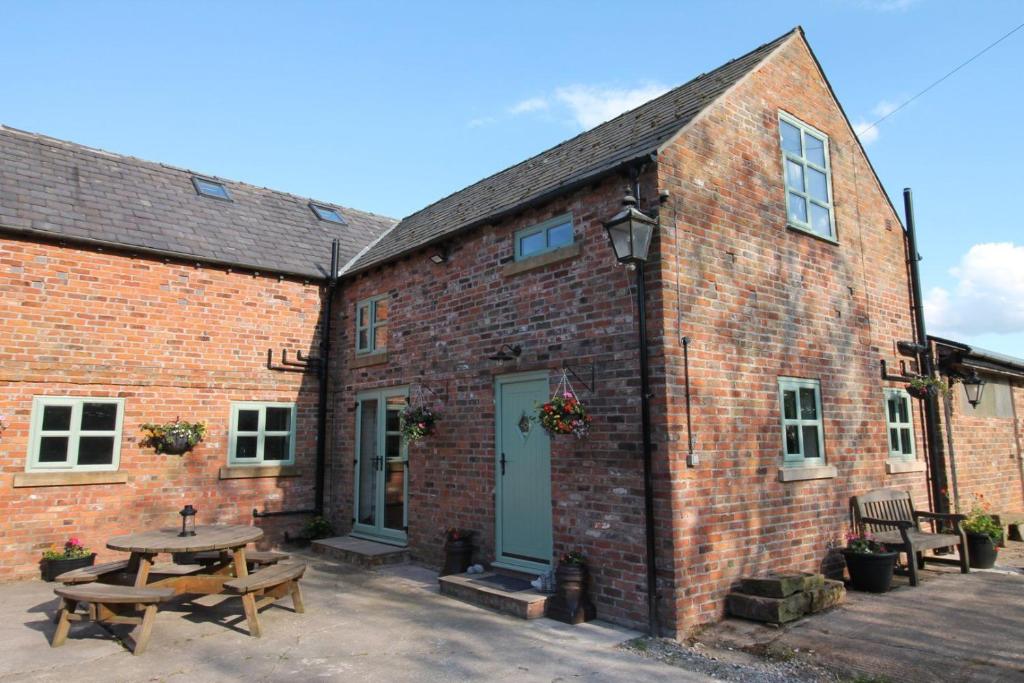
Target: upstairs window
[
  {"x": 210, "y": 188},
  {"x": 262, "y": 434},
  {"x": 803, "y": 441},
  {"x": 808, "y": 177},
  {"x": 327, "y": 213},
  {"x": 372, "y": 325},
  {"x": 547, "y": 236},
  {"x": 80, "y": 434},
  {"x": 900, "y": 424}
]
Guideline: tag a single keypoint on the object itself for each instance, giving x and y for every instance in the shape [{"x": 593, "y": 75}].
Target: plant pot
[
  {"x": 571, "y": 603},
  {"x": 870, "y": 572},
  {"x": 175, "y": 445},
  {"x": 981, "y": 551},
  {"x": 458, "y": 555},
  {"x": 51, "y": 569}
]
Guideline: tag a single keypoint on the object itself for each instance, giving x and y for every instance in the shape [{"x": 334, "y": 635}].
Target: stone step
[
  {"x": 360, "y": 552},
  {"x": 527, "y": 604}
]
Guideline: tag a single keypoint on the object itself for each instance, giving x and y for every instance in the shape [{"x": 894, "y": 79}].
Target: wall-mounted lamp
[
  {"x": 440, "y": 255},
  {"x": 512, "y": 353},
  {"x": 974, "y": 386}
]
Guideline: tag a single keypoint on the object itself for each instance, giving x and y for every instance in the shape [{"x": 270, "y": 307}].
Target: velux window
[
  {"x": 327, "y": 213},
  {"x": 82, "y": 434},
  {"x": 899, "y": 424},
  {"x": 372, "y": 325},
  {"x": 803, "y": 441},
  {"x": 547, "y": 236},
  {"x": 262, "y": 433},
  {"x": 210, "y": 188},
  {"x": 808, "y": 177}
]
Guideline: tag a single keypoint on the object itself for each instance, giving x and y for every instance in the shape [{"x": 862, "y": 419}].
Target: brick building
[{"x": 777, "y": 282}]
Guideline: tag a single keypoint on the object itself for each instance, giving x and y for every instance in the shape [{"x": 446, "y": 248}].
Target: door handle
[
  {"x": 503, "y": 461},
  {"x": 377, "y": 462}
]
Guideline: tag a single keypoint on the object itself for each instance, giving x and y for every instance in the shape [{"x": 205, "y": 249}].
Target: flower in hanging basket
[
  {"x": 923, "y": 387},
  {"x": 173, "y": 437},
  {"x": 417, "y": 423},
  {"x": 564, "y": 414}
]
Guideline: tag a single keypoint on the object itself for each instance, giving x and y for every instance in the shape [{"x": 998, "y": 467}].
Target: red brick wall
[
  {"x": 760, "y": 301},
  {"x": 172, "y": 340},
  {"x": 445, "y": 321}
]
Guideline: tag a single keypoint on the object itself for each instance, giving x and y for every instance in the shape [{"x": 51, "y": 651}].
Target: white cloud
[
  {"x": 884, "y": 108},
  {"x": 887, "y": 5},
  {"x": 988, "y": 297},
  {"x": 482, "y": 121},
  {"x": 528, "y": 105},
  {"x": 591, "y": 105},
  {"x": 865, "y": 131}
]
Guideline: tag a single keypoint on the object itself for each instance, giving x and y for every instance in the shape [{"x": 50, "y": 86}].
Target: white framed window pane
[
  {"x": 814, "y": 150},
  {"x": 363, "y": 316},
  {"x": 808, "y": 404},
  {"x": 797, "y": 208},
  {"x": 53, "y": 449},
  {"x": 817, "y": 185},
  {"x": 907, "y": 444},
  {"x": 364, "y": 339},
  {"x": 95, "y": 450},
  {"x": 792, "y": 440},
  {"x": 795, "y": 175},
  {"x": 894, "y": 439},
  {"x": 530, "y": 244},
  {"x": 248, "y": 421},
  {"x": 275, "y": 448},
  {"x": 821, "y": 222},
  {"x": 789, "y": 404},
  {"x": 810, "y": 442},
  {"x": 904, "y": 409},
  {"x": 278, "y": 419},
  {"x": 380, "y": 310},
  {"x": 560, "y": 235},
  {"x": 893, "y": 409},
  {"x": 790, "y": 138},
  {"x": 246, "y": 447},
  {"x": 99, "y": 417},
  {"x": 56, "y": 418}
]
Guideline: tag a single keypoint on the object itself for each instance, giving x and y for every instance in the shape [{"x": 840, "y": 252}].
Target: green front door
[
  {"x": 523, "y": 467},
  {"x": 380, "y": 467}
]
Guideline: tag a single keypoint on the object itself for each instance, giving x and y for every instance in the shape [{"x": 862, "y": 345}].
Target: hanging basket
[
  {"x": 564, "y": 413},
  {"x": 418, "y": 421}
]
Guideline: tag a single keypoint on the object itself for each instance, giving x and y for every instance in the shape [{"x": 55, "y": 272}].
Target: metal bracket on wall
[
  {"x": 301, "y": 364},
  {"x": 593, "y": 376},
  {"x": 904, "y": 376},
  {"x": 442, "y": 398}
]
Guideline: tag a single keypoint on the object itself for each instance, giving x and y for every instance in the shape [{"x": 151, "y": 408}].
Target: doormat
[{"x": 512, "y": 584}]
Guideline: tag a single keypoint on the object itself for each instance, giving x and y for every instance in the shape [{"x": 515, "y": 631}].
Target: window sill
[
  {"x": 810, "y": 233},
  {"x": 258, "y": 471},
  {"x": 903, "y": 466},
  {"x": 798, "y": 473},
  {"x": 541, "y": 260},
  {"x": 367, "y": 359},
  {"x": 29, "y": 479}
]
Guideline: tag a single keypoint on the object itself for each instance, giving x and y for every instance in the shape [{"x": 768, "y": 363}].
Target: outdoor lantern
[
  {"x": 973, "y": 387},
  {"x": 188, "y": 521},
  {"x": 630, "y": 232}
]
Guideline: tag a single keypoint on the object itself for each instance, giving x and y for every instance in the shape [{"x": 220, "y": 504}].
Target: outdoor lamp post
[
  {"x": 974, "y": 386},
  {"x": 630, "y": 232},
  {"x": 188, "y": 521}
]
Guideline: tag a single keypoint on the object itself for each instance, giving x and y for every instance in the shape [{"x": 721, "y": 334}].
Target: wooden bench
[
  {"x": 111, "y": 604},
  {"x": 889, "y": 516},
  {"x": 266, "y": 586},
  {"x": 253, "y": 558},
  {"x": 93, "y": 573}
]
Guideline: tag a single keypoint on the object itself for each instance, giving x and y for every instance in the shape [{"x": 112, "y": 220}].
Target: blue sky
[{"x": 390, "y": 106}]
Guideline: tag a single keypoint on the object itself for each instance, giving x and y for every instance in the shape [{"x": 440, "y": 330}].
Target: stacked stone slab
[{"x": 780, "y": 598}]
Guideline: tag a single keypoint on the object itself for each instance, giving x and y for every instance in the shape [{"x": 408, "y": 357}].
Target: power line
[{"x": 987, "y": 48}]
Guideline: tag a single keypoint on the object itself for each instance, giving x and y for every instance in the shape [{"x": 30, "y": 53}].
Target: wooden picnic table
[{"x": 228, "y": 539}]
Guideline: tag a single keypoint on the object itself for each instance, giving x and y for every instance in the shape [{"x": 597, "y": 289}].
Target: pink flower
[{"x": 567, "y": 394}]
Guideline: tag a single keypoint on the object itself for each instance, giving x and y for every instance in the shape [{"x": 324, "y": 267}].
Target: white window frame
[
  {"x": 74, "y": 433},
  {"x": 799, "y": 459},
  {"x": 373, "y": 324},
  {"x": 806, "y": 163},
  {"x": 545, "y": 227},
  {"x": 898, "y": 454},
  {"x": 261, "y": 433}
]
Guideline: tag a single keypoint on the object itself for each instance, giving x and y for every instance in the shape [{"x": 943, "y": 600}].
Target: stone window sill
[
  {"x": 29, "y": 479},
  {"x": 807, "y": 473},
  {"x": 258, "y": 472},
  {"x": 541, "y": 260},
  {"x": 368, "y": 359},
  {"x": 903, "y": 466},
  {"x": 804, "y": 231}
]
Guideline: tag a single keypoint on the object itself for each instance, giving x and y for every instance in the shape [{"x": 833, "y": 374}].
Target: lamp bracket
[{"x": 593, "y": 376}]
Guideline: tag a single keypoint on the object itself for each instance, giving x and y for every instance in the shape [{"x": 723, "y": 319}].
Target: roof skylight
[
  {"x": 210, "y": 188},
  {"x": 327, "y": 213}
]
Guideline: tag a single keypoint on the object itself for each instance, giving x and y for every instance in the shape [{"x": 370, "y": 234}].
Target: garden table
[{"x": 230, "y": 540}]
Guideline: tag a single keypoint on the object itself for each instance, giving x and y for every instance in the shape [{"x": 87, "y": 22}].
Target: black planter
[
  {"x": 175, "y": 445},
  {"x": 457, "y": 556},
  {"x": 981, "y": 551},
  {"x": 571, "y": 603},
  {"x": 51, "y": 569},
  {"x": 870, "y": 572}
]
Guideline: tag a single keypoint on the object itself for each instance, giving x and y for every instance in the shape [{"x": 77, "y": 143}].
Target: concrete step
[
  {"x": 360, "y": 552},
  {"x": 525, "y": 604}
]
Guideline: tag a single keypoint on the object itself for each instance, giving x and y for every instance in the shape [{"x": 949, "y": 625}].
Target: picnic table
[{"x": 229, "y": 540}]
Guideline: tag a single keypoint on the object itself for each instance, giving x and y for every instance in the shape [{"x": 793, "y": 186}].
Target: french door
[{"x": 381, "y": 467}]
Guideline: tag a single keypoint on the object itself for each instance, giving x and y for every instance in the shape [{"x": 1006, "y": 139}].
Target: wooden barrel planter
[
  {"x": 981, "y": 551},
  {"x": 571, "y": 603},
  {"x": 871, "y": 572},
  {"x": 458, "y": 554}
]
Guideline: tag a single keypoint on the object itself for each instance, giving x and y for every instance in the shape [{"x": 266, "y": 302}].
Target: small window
[
  {"x": 899, "y": 424},
  {"x": 262, "y": 434},
  {"x": 547, "y": 236},
  {"x": 372, "y": 325},
  {"x": 803, "y": 439},
  {"x": 81, "y": 434},
  {"x": 808, "y": 177},
  {"x": 327, "y": 213},
  {"x": 210, "y": 188}
]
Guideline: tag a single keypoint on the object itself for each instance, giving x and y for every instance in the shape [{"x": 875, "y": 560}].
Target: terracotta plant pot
[
  {"x": 981, "y": 551},
  {"x": 51, "y": 569},
  {"x": 571, "y": 603},
  {"x": 870, "y": 572},
  {"x": 458, "y": 555}
]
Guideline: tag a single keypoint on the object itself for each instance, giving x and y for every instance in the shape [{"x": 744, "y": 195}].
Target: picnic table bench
[
  {"x": 889, "y": 515},
  {"x": 268, "y": 585},
  {"x": 110, "y": 604}
]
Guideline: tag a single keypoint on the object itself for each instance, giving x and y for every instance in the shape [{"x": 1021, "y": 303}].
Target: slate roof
[
  {"x": 584, "y": 158},
  {"x": 58, "y": 189}
]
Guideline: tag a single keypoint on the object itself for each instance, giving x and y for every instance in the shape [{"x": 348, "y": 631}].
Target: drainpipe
[
  {"x": 325, "y": 366},
  {"x": 926, "y": 365}
]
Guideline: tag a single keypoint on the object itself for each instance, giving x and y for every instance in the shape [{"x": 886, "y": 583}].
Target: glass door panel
[
  {"x": 366, "y": 481},
  {"x": 381, "y": 461}
]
